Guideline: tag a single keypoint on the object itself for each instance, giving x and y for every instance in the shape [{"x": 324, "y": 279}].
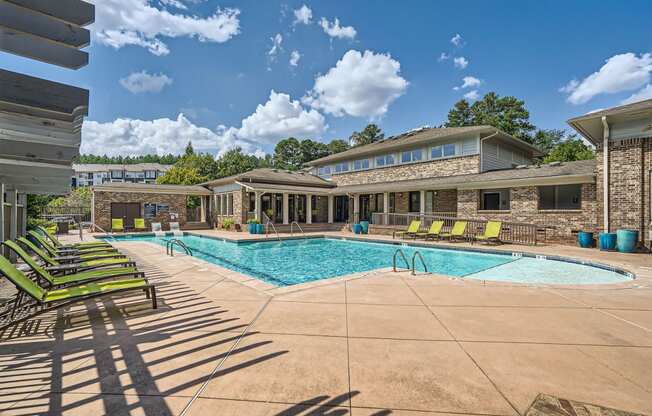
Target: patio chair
[
  {"x": 157, "y": 229},
  {"x": 411, "y": 231},
  {"x": 47, "y": 300},
  {"x": 54, "y": 265},
  {"x": 117, "y": 224},
  {"x": 174, "y": 227},
  {"x": 68, "y": 279},
  {"x": 491, "y": 232},
  {"x": 139, "y": 224},
  {"x": 457, "y": 232},
  {"x": 433, "y": 232},
  {"x": 65, "y": 251},
  {"x": 84, "y": 244}
]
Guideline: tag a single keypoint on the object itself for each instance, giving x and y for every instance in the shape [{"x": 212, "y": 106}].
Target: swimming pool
[{"x": 290, "y": 262}]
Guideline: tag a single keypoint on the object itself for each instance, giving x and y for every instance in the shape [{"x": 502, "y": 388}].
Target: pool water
[{"x": 290, "y": 262}]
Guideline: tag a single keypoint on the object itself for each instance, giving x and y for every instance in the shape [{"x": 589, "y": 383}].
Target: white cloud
[
  {"x": 277, "y": 40},
  {"x": 457, "y": 40},
  {"x": 303, "y": 15},
  {"x": 472, "y": 95},
  {"x": 443, "y": 57},
  {"x": 120, "y": 23},
  {"x": 125, "y": 136},
  {"x": 334, "y": 30},
  {"x": 644, "y": 94},
  {"x": 460, "y": 62},
  {"x": 360, "y": 85},
  {"x": 624, "y": 72},
  {"x": 468, "y": 82},
  {"x": 294, "y": 58},
  {"x": 278, "y": 118},
  {"x": 174, "y": 3},
  {"x": 142, "y": 81}
]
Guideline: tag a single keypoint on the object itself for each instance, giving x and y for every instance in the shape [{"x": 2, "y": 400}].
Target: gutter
[{"x": 605, "y": 172}]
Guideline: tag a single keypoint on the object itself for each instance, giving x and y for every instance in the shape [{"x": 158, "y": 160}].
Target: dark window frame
[{"x": 554, "y": 205}]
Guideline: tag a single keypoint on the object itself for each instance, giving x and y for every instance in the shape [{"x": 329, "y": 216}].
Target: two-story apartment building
[{"x": 89, "y": 174}]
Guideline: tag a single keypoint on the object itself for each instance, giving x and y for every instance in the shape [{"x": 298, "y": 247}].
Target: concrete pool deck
[{"x": 374, "y": 344}]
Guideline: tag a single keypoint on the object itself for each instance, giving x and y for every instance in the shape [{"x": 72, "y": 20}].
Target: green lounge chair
[
  {"x": 411, "y": 231},
  {"x": 46, "y": 300},
  {"x": 84, "y": 244},
  {"x": 491, "y": 232},
  {"x": 457, "y": 232},
  {"x": 434, "y": 231},
  {"x": 54, "y": 265},
  {"x": 69, "y": 251},
  {"x": 117, "y": 224},
  {"x": 139, "y": 224},
  {"x": 65, "y": 280}
]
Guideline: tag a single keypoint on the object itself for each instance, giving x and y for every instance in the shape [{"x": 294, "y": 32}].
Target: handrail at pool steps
[
  {"x": 298, "y": 226},
  {"x": 169, "y": 247},
  {"x": 269, "y": 222},
  {"x": 511, "y": 232},
  {"x": 399, "y": 251},
  {"x": 414, "y": 256}
]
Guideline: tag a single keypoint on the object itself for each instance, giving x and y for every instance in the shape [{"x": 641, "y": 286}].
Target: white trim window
[
  {"x": 443, "y": 150},
  {"x": 385, "y": 160},
  {"x": 324, "y": 171},
  {"x": 342, "y": 167},
  {"x": 411, "y": 156},
  {"x": 361, "y": 164}
]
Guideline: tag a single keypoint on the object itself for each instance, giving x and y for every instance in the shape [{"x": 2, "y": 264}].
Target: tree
[
  {"x": 547, "y": 140},
  {"x": 337, "y": 146},
  {"x": 189, "y": 150},
  {"x": 372, "y": 133},
  {"x": 234, "y": 162},
  {"x": 505, "y": 113},
  {"x": 312, "y": 150},
  {"x": 288, "y": 155},
  {"x": 80, "y": 197},
  {"x": 181, "y": 175},
  {"x": 570, "y": 150}
]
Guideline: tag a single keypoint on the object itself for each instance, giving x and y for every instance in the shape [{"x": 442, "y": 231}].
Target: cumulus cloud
[
  {"x": 278, "y": 118},
  {"x": 277, "y": 40},
  {"x": 125, "y": 136},
  {"x": 457, "y": 40},
  {"x": 174, "y": 3},
  {"x": 443, "y": 57},
  {"x": 142, "y": 81},
  {"x": 623, "y": 72},
  {"x": 303, "y": 15},
  {"x": 644, "y": 94},
  {"x": 460, "y": 62},
  {"x": 360, "y": 85},
  {"x": 334, "y": 30},
  {"x": 468, "y": 82},
  {"x": 294, "y": 58},
  {"x": 120, "y": 23},
  {"x": 472, "y": 95}
]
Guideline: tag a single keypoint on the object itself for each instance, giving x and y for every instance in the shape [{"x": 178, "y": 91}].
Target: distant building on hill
[{"x": 97, "y": 174}]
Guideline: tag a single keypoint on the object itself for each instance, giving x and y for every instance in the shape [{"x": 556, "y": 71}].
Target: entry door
[
  {"x": 127, "y": 211},
  {"x": 341, "y": 208},
  {"x": 365, "y": 209}
]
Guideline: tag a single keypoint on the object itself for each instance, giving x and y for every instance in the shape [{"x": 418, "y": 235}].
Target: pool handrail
[
  {"x": 414, "y": 256},
  {"x": 169, "y": 247},
  {"x": 298, "y": 226},
  {"x": 399, "y": 251}
]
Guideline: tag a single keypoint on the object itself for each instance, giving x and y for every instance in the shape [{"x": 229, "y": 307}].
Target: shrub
[{"x": 227, "y": 224}]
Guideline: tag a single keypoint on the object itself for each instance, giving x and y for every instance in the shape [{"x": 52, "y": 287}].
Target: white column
[
  {"x": 386, "y": 207},
  {"x": 13, "y": 219},
  {"x": 331, "y": 208},
  {"x": 356, "y": 207},
  {"x": 2, "y": 212},
  {"x": 23, "y": 228},
  {"x": 286, "y": 212},
  {"x": 259, "y": 206},
  {"x": 308, "y": 209},
  {"x": 422, "y": 202},
  {"x": 202, "y": 208}
]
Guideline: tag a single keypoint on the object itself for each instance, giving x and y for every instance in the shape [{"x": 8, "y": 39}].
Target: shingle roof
[
  {"x": 105, "y": 167},
  {"x": 627, "y": 108},
  {"x": 152, "y": 188},
  {"x": 268, "y": 175},
  {"x": 414, "y": 138}
]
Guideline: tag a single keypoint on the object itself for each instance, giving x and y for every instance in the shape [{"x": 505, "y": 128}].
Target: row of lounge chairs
[
  {"x": 117, "y": 225},
  {"x": 458, "y": 232},
  {"x": 53, "y": 274}
]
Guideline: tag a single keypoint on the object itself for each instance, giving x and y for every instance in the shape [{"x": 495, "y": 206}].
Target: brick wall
[
  {"x": 525, "y": 208},
  {"x": 630, "y": 164},
  {"x": 103, "y": 200},
  {"x": 447, "y": 167}
]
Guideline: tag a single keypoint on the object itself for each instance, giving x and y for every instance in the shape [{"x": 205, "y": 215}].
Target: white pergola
[{"x": 40, "y": 120}]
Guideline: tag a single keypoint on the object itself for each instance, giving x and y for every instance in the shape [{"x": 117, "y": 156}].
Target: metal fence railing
[{"x": 76, "y": 213}]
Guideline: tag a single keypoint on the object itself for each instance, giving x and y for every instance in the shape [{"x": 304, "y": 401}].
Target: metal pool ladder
[
  {"x": 298, "y": 226},
  {"x": 397, "y": 252},
  {"x": 414, "y": 257},
  {"x": 169, "y": 247},
  {"x": 267, "y": 224}
]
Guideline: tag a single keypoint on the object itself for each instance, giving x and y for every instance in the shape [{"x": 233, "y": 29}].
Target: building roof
[
  {"x": 277, "y": 176},
  {"x": 418, "y": 137},
  {"x": 582, "y": 171},
  {"x": 151, "y": 188},
  {"x": 590, "y": 125},
  {"x": 105, "y": 167}
]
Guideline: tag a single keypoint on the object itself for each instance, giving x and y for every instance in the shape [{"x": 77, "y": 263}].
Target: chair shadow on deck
[{"x": 117, "y": 356}]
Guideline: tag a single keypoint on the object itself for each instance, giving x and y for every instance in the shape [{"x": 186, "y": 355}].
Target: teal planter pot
[
  {"x": 260, "y": 228},
  {"x": 251, "y": 227},
  {"x": 585, "y": 239},
  {"x": 627, "y": 240},
  {"x": 365, "y": 227},
  {"x": 607, "y": 241},
  {"x": 357, "y": 229}
]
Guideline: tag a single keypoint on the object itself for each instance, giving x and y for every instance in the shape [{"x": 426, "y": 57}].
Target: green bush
[
  {"x": 253, "y": 221},
  {"x": 227, "y": 224}
]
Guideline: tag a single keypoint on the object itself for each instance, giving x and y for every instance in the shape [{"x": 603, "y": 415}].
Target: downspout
[{"x": 605, "y": 172}]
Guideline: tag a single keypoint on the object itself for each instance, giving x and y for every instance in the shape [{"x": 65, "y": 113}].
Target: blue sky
[{"x": 214, "y": 62}]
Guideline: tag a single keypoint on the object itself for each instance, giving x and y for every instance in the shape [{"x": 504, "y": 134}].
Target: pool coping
[{"x": 633, "y": 282}]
